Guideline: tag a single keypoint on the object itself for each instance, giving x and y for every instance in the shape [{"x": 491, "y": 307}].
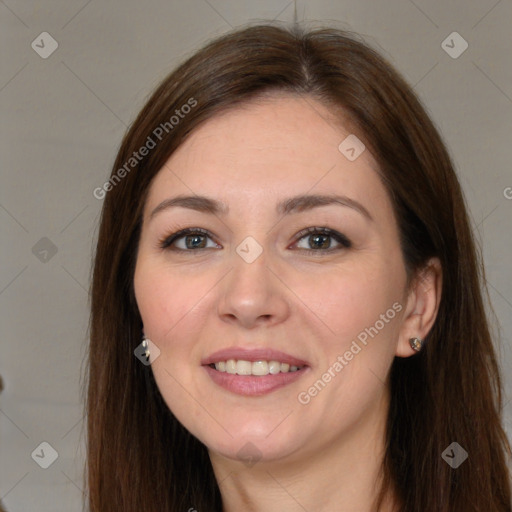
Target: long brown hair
[{"x": 139, "y": 457}]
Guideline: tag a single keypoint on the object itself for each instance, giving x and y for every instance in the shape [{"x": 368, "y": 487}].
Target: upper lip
[{"x": 254, "y": 354}]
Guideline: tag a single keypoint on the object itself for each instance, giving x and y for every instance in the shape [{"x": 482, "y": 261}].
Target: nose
[{"x": 252, "y": 295}]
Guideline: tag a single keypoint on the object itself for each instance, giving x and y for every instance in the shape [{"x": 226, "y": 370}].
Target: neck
[{"x": 344, "y": 476}]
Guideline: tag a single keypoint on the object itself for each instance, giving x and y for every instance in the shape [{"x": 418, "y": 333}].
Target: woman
[{"x": 285, "y": 247}]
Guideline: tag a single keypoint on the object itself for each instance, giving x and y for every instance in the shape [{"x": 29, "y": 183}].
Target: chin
[
  {"x": 250, "y": 451},
  {"x": 254, "y": 443}
]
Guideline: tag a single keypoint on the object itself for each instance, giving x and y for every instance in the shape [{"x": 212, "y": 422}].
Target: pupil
[
  {"x": 320, "y": 241},
  {"x": 194, "y": 241}
]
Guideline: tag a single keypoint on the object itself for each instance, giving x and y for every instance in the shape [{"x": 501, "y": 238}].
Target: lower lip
[{"x": 250, "y": 385}]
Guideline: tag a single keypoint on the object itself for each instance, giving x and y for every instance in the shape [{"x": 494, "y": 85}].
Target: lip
[{"x": 250, "y": 385}]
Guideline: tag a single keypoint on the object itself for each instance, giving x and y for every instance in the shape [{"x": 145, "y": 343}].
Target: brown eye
[
  {"x": 322, "y": 239},
  {"x": 194, "y": 241},
  {"x": 319, "y": 241},
  {"x": 189, "y": 239}
]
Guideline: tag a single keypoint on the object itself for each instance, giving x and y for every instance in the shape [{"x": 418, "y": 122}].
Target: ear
[{"x": 423, "y": 298}]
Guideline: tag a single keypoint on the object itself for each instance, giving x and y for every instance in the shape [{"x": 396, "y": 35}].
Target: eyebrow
[{"x": 294, "y": 204}]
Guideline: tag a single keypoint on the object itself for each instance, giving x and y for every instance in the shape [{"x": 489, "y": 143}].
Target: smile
[
  {"x": 256, "y": 368},
  {"x": 253, "y": 372}
]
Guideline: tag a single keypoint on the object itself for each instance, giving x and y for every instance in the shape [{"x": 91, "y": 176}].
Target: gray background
[{"x": 63, "y": 118}]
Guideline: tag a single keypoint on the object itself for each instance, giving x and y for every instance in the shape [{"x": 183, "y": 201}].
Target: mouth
[
  {"x": 253, "y": 372},
  {"x": 255, "y": 368}
]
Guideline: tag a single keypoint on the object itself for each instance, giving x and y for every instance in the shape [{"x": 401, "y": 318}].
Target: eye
[
  {"x": 313, "y": 239},
  {"x": 321, "y": 240},
  {"x": 188, "y": 239}
]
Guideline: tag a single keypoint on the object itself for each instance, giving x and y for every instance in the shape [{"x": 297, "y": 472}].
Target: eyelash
[{"x": 344, "y": 242}]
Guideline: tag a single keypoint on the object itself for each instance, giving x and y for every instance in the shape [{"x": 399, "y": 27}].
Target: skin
[{"x": 323, "y": 455}]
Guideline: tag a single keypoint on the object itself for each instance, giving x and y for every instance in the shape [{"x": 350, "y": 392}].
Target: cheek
[
  {"x": 361, "y": 310},
  {"x": 348, "y": 302},
  {"x": 163, "y": 298}
]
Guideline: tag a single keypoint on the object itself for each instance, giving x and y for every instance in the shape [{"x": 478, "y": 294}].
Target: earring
[
  {"x": 145, "y": 344},
  {"x": 416, "y": 344}
]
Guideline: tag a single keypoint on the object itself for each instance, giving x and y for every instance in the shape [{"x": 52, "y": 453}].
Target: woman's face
[{"x": 297, "y": 264}]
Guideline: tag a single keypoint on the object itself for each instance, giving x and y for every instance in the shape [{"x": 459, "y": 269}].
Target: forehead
[{"x": 270, "y": 147}]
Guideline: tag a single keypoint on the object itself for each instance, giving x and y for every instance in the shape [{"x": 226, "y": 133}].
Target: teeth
[
  {"x": 259, "y": 368},
  {"x": 274, "y": 367},
  {"x": 231, "y": 366},
  {"x": 243, "y": 367}
]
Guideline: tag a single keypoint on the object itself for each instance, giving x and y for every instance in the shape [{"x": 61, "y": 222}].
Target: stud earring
[
  {"x": 145, "y": 344},
  {"x": 416, "y": 344}
]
